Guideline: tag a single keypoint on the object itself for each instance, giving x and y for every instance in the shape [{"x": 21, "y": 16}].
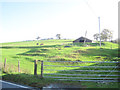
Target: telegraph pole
[
  {"x": 85, "y": 36},
  {"x": 99, "y": 31}
]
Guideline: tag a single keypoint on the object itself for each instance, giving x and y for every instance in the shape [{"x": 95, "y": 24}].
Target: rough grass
[{"x": 55, "y": 50}]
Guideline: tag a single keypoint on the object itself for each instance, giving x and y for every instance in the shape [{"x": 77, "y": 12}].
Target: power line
[
  {"x": 95, "y": 16},
  {"x": 90, "y": 8}
]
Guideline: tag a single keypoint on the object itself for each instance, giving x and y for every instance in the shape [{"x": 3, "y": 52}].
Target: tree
[
  {"x": 106, "y": 34},
  {"x": 96, "y": 36},
  {"x": 58, "y": 36},
  {"x": 37, "y": 39}
]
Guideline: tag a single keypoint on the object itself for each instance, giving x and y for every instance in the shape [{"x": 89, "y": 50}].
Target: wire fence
[
  {"x": 107, "y": 71},
  {"x": 95, "y": 73}
]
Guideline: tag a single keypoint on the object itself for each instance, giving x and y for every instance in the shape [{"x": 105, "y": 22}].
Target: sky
[{"x": 26, "y": 19}]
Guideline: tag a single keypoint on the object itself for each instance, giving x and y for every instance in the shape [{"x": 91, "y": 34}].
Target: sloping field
[{"x": 58, "y": 50}]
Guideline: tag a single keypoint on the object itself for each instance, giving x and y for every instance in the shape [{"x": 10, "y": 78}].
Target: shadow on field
[
  {"x": 90, "y": 68},
  {"x": 24, "y": 54},
  {"x": 35, "y": 52},
  {"x": 39, "y": 83},
  {"x": 102, "y": 52},
  {"x": 108, "y": 53},
  {"x": 27, "y": 47},
  {"x": 25, "y": 58},
  {"x": 27, "y": 79}
]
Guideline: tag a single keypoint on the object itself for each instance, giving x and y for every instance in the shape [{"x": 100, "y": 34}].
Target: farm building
[{"x": 82, "y": 39}]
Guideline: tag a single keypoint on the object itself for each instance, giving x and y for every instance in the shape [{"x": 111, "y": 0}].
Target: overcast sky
[{"x": 26, "y": 19}]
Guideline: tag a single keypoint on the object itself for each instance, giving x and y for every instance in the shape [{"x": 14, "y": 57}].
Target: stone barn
[{"x": 82, "y": 39}]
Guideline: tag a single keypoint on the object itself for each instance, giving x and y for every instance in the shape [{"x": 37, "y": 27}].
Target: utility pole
[
  {"x": 85, "y": 36},
  {"x": 99, "y": 31}
]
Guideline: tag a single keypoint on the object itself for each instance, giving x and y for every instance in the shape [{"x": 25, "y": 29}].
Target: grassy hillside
[{"x": 54, "y": 50}]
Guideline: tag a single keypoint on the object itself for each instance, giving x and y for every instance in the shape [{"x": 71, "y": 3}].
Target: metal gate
[{"x": 95, "y": 71}]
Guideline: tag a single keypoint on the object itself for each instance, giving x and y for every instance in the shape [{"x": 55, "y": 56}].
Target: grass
[
  {"x": 27, "y": 79},
  {"x": 55, "y": 50}
]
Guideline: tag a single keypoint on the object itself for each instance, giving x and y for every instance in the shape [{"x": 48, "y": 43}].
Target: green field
[{"x": 56, "y": 50}]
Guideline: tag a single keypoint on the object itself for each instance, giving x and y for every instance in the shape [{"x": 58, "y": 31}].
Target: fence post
[
  {"x": 4, "y": 64},
  {"x": 41, "y": 69},
  {"x": 35, "y": 67},
  {"x": 18, "y": 66}
]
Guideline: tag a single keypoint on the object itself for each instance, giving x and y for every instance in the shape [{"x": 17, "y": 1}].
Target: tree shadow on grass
[
  {"x": 36, "y": 82},
  {"x": 35, "y": 52},
  {"x": 98, "y": 53},
  {"x": 24, "y": 54},
  {"x": 103, "y": 52},
  {"x": 27, "y": 79},
  {"x": 26, "y": 58},
  {"x": 29, "y": 47},
  {"x": 91, "y": 68}
]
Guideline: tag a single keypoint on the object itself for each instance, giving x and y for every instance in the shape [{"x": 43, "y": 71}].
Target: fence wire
[{"x": 96, "y": 71}]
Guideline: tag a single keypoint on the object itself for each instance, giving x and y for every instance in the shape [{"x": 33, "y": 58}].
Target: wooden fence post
[
  {"x": 41, "y": 69},
  {"x": 5, "y": 65},
  {"x": 18, "y": 66},
  {"x": 35, "y": 67}
]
